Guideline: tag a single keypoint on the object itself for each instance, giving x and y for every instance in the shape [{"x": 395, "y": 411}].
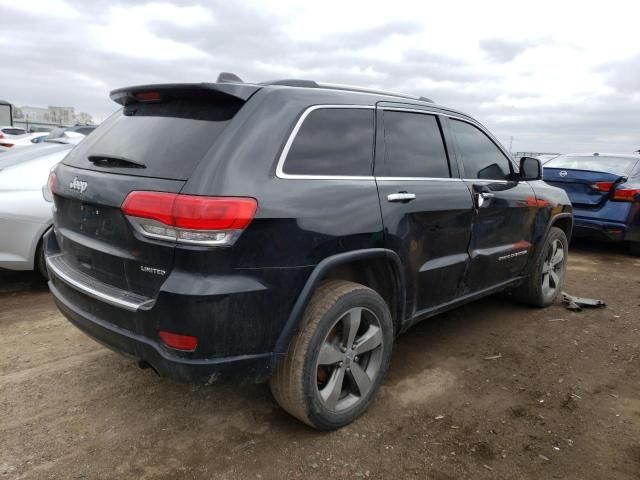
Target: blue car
[{"x": 605, "y": 192}]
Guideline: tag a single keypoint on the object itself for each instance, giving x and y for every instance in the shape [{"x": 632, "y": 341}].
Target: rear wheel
[
  {"x": 337, "y": 361},
  {"x": 544, "y": 283}
]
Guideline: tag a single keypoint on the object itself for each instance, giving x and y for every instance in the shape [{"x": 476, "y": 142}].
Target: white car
[
  {"x": 25, "y": 214},
  {"x": 8, "y": 131},
  {"x": 21, "y": 141}
]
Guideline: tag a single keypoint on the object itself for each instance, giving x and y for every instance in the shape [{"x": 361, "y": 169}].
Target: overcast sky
[{"x": 555, "y": 75}]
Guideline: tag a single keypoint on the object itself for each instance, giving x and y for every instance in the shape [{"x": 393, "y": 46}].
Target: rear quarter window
[
  {"x": 333, "y": 142},
  {"x": 168, "y": 138}
]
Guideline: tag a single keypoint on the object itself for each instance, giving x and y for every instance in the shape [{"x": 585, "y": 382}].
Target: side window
[
  {"x": 480, "y": 156},
  {"x": 333, "y": 141},
  {"x": 413, "y": 146}
]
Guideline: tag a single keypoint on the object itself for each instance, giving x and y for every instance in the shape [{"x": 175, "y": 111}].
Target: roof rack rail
[
  {"x": 227, "y": 77},
  {"x": 292, "y": 82},
  {"x": 351, "y": 88}
]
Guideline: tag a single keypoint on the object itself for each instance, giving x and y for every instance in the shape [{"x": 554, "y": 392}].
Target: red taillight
[
  {"x": 626, "y": 194},
  {"x": 52, "y": 182},
  {"x": 185, "y": 343},
  {"x": 6, "y": 145},
  {"x": 190, "y": 218},
  {"x": 213, "y": 213},
  {"x": 153, "y": 205},
  {"x": 148, "y": 96},
  {"x": 1, "y": 135},
  {"x": 602, "y": 186}
]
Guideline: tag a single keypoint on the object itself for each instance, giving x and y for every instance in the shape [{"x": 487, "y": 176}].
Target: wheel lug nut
[
  {"x": 356, "y": 359},
  {"x": 340, "y": 364}
]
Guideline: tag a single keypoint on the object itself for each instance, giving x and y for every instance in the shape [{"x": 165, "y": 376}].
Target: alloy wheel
[
  {"x": 349, "y": 360},
  {"x": 553, "y": 268}
]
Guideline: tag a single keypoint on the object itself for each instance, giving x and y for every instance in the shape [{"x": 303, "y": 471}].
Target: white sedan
[
  {"x": 25, "y": 214},
  {"x": 9, "y": 144}
]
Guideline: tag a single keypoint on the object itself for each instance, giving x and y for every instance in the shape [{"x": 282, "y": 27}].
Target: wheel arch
[{"x": 361, "y": 266}]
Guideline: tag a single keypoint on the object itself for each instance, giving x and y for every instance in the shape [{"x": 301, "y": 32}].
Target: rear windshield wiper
[{"x": 113, "y": 161}]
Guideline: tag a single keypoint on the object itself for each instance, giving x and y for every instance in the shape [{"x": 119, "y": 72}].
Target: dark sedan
[{"x": 605, "y": 192}]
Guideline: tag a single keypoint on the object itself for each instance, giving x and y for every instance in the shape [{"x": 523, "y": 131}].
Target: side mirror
[{"x": 530, "y": 169}]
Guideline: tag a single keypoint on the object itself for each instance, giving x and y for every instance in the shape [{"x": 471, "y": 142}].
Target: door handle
[
  {"x": 483, "y": 197},
  {"x": 401, "y": 197}
]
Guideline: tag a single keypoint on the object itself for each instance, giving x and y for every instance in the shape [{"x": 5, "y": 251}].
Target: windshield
[{"x": 596, "y": 163}]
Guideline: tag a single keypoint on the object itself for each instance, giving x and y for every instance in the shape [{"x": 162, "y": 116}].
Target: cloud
[
  {"x": 502, "y": 50},
  {"x": 623, "y": 75},
  {"x": 563, "y": 90}
]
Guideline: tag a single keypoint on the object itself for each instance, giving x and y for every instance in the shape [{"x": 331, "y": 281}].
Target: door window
[
  {"x": 480, "y": 156},
  {"x": 413, "y": 146}
]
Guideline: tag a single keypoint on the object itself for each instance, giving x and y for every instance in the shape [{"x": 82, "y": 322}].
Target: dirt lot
[{"x": 562, "y": 401}]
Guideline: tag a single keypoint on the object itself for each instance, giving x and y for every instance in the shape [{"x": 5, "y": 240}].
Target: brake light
[
  {"x": 148, "y": 96},
  {"x": 1, "y": 135},
  {"x": 626, "y": 194},
  {"x": 6, "y": 145},
  {"x": 189, "y": 218},
  {"x": 185, "y": 343},
  {"x": 52, "y": 183},
  {"x": 602, "y": 186}
]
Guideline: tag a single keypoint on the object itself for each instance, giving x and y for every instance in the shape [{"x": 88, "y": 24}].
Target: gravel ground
[{"x": 491, "y": 390}]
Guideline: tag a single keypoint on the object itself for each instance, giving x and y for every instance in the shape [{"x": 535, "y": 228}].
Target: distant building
[
  {"x": 6, "y": 117},
  {"x": 51, "y": 116}
]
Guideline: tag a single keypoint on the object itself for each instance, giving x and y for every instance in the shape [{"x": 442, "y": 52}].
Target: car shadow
[
  {"x": 11, "y": 282},
  {"x": 588, "y": 246}
]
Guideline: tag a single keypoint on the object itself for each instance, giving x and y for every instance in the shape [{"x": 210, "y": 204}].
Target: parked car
[
  {"x": 25, "y": 215},
  {"x": 21, "y": 141},
  {"x": 64, "y": 132},
  {"x": 291, "y": 230},
  {"x": 605, "y": 192},
  {"x": 53, "y": 145},
  {"x": 10, "y": 132}
]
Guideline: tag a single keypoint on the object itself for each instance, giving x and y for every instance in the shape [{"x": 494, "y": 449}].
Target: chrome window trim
[
  {"x": 292, "y": 136},
  {"x": 421, "y": 179},
  {"x": 91, "y": 292}
]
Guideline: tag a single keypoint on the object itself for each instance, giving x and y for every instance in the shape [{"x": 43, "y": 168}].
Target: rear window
[
  {"x": 596, "y": 163},
  {"x": 334, "y": 142},
  {"x": 13, "y": 131},
  {"x": 169, "y": 138}
]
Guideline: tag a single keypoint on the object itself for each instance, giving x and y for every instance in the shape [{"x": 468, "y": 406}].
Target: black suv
[{"x": 290, "y": 230}]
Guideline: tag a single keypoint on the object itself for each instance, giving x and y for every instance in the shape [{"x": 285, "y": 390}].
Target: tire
[
  {"x": 303, "y": 382},
  {"x": 544, "y": 282},
  {"x": 634, "y": 249},
  {"x": 40, "y": 263}
]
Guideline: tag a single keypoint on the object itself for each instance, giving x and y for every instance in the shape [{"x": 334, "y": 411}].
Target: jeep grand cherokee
[{"x": 290, "y": 230}]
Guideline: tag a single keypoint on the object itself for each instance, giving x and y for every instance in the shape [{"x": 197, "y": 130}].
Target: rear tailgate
[{"x": 147, "y": 146}]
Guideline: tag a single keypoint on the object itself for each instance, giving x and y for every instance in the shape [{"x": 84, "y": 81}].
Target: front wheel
[
  {"x": 544, "y": 283},
  {"x": 338, "y": 359}
]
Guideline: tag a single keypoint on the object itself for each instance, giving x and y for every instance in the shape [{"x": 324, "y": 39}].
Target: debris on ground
[
  {"x": 493, "y": 357},
  {"x": 576, "y": 303}
]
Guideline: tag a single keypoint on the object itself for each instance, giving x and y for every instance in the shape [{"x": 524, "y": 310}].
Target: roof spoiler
[{"x": 239, "y": 91}]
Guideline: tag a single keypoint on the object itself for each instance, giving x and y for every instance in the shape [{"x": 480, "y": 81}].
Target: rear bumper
[
  {"x": 599, "y": 229},
  {"x": 244, "y": 368},
  {"x": 237, "y": 320}
]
